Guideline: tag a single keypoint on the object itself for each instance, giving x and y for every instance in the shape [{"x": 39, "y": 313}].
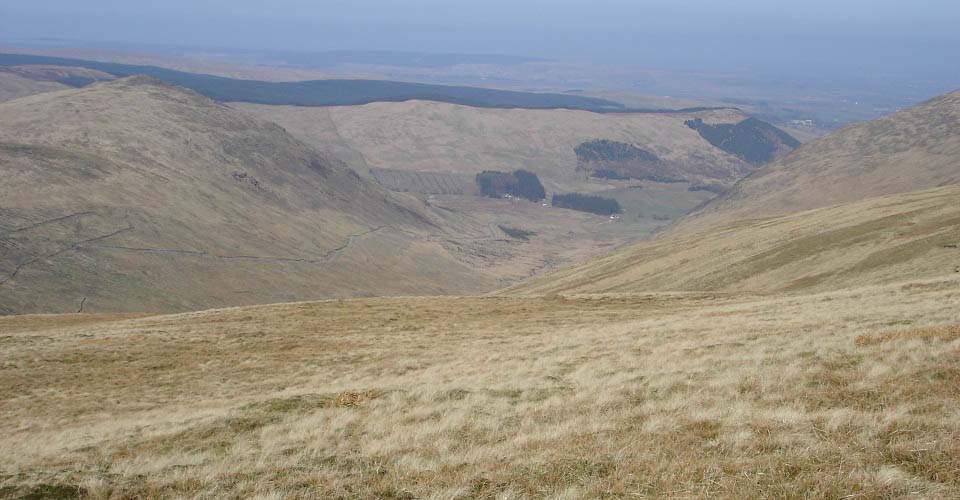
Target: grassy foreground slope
[
  {"x": 917, "y": 148},
  {"x": 880, "y": 240},
  {"x": 832, "y": 395}
]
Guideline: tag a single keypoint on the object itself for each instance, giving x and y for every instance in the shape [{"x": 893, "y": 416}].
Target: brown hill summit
[
  {"x": 135, "y": 195},
  {"x": 878, "y": 221}
]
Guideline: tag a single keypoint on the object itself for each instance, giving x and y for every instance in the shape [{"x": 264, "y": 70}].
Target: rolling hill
[
  {"x": 914, "y": 149},
  {"x": 135, "y": 195},
  {"x": 878, "y": 220}
]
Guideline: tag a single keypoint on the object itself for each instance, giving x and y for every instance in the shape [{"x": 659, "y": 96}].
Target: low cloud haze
[{"x": 850, "y": 37}]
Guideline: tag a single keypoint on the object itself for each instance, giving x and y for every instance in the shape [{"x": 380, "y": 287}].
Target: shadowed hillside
[{"x": 135, "y": 195}]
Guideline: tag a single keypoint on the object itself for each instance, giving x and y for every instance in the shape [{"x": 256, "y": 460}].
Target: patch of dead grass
[{"x": 943, "y": 333}]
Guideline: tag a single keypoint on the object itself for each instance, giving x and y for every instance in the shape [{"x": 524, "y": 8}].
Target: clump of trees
[
  {"x": 753, "y": 140},
  {"x": 529, "y": 185},
  {"x": 587, "y": 203},
  {"x": 520, "y": 183},
  {"x": 497, "y": 184}
]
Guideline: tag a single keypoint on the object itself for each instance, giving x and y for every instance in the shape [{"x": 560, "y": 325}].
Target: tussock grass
[
  {"x": 875, "y": 241},
  {"x": 945, "y": 333},
  {"x": 658, "y": 395}
]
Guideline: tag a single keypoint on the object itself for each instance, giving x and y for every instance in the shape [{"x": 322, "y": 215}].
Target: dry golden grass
[
  {"x": 944, "y": 333},
  {"x": 669, "y": 395},
  {"x": 874, "y": 241}
]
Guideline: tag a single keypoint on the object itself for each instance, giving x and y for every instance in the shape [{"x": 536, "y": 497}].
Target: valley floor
[{"x": 852, "y": 393}]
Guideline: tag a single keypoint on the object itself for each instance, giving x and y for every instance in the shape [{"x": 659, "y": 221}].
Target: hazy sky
[{"x": 915, "y": 35}]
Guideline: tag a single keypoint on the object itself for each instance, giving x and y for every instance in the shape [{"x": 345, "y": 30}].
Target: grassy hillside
[
  {"x": 439, "y": 137},
  {"x": 429, "y": 138},
  {"x": 436, "y": 143},
  {"x": 833, "y": 395},
  {"x": 918, "y": 148},
  {"x": 880, "y": 240},
  {"x": 134, "y": 195}
]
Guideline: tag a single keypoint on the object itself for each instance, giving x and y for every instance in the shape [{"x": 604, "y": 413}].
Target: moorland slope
[{"x": 841, "y": 394}]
